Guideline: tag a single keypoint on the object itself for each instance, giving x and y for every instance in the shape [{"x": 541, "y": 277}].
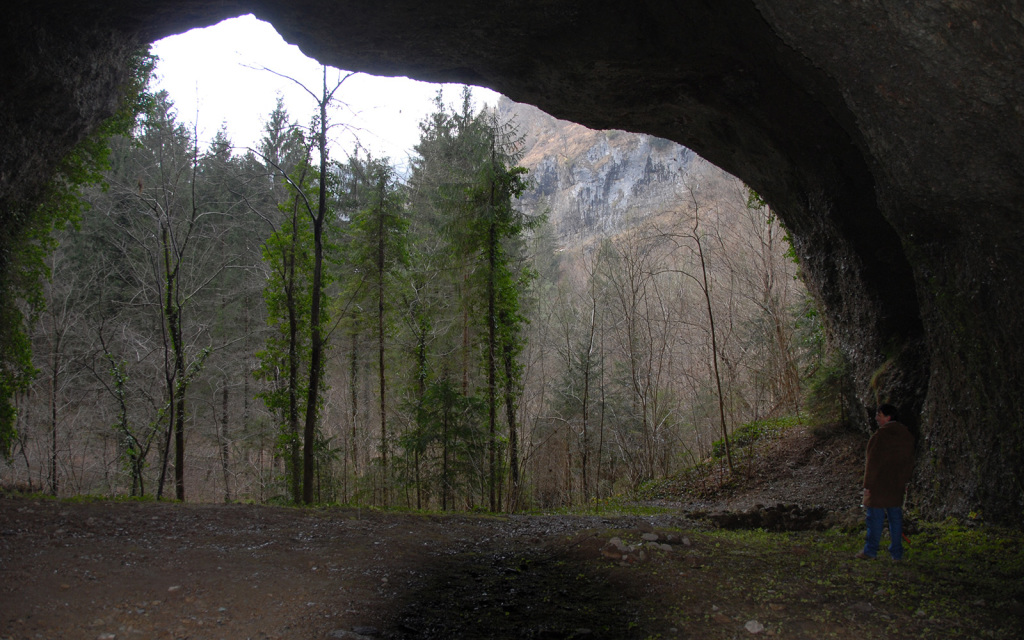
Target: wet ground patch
[{"x": 541, "y": 594}]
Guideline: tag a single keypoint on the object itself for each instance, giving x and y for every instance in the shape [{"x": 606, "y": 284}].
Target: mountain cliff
[{"x": 594, "y": 183}]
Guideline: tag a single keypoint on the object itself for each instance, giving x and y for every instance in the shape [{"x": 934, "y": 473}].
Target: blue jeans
[{"x": 874, "y": 521}]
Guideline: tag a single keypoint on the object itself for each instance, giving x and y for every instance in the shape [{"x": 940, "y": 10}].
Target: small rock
[
  {"x": 341, "y": 634},
  {"x": 650, "y": 537},
  {"x": 106, "y": 636},
  {"x": 754, "y": 627},
  {"x": 619, "y": 544},
  {"x": 174, "y": 588},
  {"x": 615, "y": 549}
]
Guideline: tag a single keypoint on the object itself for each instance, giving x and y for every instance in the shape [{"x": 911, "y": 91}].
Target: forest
[{"x": 300, "y": 324}]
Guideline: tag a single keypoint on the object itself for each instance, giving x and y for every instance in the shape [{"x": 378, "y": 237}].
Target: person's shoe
[{"x": 863, "y": 556}]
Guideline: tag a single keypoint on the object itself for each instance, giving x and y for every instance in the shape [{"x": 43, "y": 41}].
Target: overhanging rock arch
[{"x": 888, "y": 135}]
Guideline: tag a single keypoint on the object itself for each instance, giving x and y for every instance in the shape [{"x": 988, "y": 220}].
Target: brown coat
[{"x": 889, "y": 465}]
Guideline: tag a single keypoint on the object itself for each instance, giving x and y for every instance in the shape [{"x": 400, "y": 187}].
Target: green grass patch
[
  {"x": 752, "y": 432},
  {"x": 957, "y": 581}
]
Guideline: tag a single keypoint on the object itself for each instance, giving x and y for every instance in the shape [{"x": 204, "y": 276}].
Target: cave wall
[{"x": 888, "y": 135}]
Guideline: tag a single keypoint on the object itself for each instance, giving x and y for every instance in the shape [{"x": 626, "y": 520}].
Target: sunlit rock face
[
  {"x": 888, "y": 135},
  {"x": 591, "y": 184}
]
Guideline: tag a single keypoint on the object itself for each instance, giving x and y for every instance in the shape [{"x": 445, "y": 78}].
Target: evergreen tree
[
  {"x": 283, "y": 146},
  {"x": 464, "y": 183},
  {"x": 285, "y": 360},
  {"x": 377, "y": 245},
  {"x": 496, "y": 229}
]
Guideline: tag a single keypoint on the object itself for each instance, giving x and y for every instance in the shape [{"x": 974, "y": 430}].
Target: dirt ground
[{"x": 113, "y": 571}]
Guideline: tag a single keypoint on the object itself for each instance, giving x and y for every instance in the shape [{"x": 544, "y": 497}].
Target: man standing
[{"x": 887, "y": 471}]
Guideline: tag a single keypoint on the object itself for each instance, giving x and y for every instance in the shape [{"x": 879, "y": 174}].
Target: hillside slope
[{"x": 813, "y": 473}]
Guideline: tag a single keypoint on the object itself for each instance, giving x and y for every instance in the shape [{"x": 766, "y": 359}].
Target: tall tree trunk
[
  {"x": 315, "y": 363},
  {"x": 568, "y": 466},
  {"x": 513, "y": 430},
  {"x": 54, "y": 380},
  {"x": 421, "y": 392},
  {"x": 168, "y": 432},
  {"x": 354, "y": 397},
  {"x": 225, "y": 447},
  {"x": 492, "y": 339},
  {"x": 291, "y": 300},
  {"x": 600, "y": 437},
  {"x": 492, "y": 416},
  {"x": 445, "y": 416},
  {"x": 586, "y": 400},
  {"x": 706, "y": 287},
  {"x": 380, "y": 348},
  {"x": 179, "y": 445},
  {"x": 316, "y": 341},
  {"x": 170, "y": 371},
  {"x": 465, "y": 334}
]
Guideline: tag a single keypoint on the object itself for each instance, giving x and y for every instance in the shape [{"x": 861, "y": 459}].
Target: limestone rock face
[
  {"x": 594, "y": 183},
  {"x": 888, "y": 135}
]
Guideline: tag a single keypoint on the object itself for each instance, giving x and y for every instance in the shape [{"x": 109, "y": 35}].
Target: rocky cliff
[{"x": 595, "y": 183}]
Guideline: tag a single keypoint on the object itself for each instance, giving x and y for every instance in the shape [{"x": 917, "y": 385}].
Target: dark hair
[{"x": 889, "y": 410}]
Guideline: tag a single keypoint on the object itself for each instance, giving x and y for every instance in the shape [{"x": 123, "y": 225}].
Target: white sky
[{"x": 208, "y": 76}]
